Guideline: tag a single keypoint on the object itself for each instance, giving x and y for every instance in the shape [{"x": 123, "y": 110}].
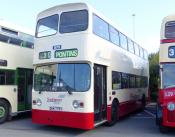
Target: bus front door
[
  {"x": 100, "y": 93},
  {"x": 24, "y": 84}
]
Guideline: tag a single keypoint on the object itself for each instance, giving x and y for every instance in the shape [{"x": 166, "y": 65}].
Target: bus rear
[{"x": 166, "y": 101}]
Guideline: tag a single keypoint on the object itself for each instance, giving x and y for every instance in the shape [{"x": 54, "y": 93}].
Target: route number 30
[{"x": 171, "y": 52}]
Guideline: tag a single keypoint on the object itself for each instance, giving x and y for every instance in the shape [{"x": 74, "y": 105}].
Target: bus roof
[
  {"x": 15, "y": 27},
  {"x": 169, "y": 17},
  {"x": 62, "y": 7},
  {"x": 74, "y": 6},
  {"x": 81, "y": 5}
]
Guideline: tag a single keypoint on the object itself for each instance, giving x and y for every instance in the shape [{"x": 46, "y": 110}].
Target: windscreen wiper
[{"x": 67, "y": 87}]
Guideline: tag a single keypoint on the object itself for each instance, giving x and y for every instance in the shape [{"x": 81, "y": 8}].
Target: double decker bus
[
  {"x": 16, "y": 70},
  {"x": 166, "y": 101},
  {"x": 87, "y": 72}
]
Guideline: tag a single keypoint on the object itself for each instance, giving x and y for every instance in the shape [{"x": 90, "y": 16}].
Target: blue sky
[{"x": 148, "y": 15}]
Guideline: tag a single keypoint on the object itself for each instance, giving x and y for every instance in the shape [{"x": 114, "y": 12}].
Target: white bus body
[
  {"x": 91, "y": 60},
  {"x": 16, "y": 67}
]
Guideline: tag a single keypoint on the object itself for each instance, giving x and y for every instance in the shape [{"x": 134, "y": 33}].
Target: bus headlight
[
  {"x": 75, "y": 103},
  {"x": 78, "y": 104},
  {"x": 38, "y": 102},
  {"x": 171, "y": 106}
]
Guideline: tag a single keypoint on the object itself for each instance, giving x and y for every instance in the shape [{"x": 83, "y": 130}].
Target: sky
[{"x": 145, "y": 24}]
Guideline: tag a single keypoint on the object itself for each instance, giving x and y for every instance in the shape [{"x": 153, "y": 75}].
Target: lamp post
[{"x": 133, "y": 25}]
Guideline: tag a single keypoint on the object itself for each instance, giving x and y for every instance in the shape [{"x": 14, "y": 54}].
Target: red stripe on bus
[
  {"x": 128, "y": 107},
  {"x": 109, "y": 113},
  {"x": 79, "y": 120},
  {"x": 125, "y": 108},
  {"x": 167, "y": 41},
  {"x": 65, "y": 119},
  {"x": 166, "y": 63}
]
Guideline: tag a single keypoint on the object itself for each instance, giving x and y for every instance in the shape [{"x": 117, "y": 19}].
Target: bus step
[{"x": 99, "y": 123}]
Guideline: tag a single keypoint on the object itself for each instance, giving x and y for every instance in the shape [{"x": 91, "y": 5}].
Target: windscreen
[
  {"x": 168, "y": 75},
  {"x": 73, "y": 21},
  {"x": 170, "y": 29},
  {"x": 47, "y": 26},
  {"x": 62, "y": 77}
]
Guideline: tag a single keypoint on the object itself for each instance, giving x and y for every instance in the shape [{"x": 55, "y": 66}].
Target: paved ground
[{"x": 139, "y": 124}]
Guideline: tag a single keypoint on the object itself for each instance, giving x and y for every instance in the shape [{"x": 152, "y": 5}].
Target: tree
[{"x": 154, "y": 75}]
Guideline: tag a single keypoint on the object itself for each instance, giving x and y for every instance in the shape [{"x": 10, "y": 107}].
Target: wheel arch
[
  {"x": 116, "y": 100},
  {"x": 9, "y": 105},
  {"x": 109, "y": 113}
]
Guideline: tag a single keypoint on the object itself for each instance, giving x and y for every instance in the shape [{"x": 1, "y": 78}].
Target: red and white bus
[
  {"x": 166, "y": 101},
  {"x": 87, "y": 72}
]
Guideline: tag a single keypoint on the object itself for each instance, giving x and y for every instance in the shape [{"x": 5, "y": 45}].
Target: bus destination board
[
  {"x": 66, "y": 53},
  {"x": 45, "y": 55}
]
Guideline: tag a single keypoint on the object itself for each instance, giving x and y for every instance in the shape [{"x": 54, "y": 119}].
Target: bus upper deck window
[
  {"x": 73, "y": 21},
  {"x": 170, "y": 29},
  {"x": 47, "y": 26}
]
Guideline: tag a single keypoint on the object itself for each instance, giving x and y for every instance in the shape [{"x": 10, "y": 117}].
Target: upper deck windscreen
[
  {"x": 47, "y": 26},
  {"x": 170, "y": 29},
  {"x": 71, "y": 21}
]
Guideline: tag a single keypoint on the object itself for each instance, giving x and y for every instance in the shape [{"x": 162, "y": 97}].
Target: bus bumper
[
  {"x": 168, "y": 118},
  {"x": 165, "y": 117},
  {"x": 65, "y": 119}
]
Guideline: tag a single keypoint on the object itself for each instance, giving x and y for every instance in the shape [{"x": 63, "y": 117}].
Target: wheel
[
  {"x": 114, "y": 113},
  {"x": 158, "y": 115},
  {"x": 4, "y": 111},
  {"x": 143, "y": 102},
  {"x": 163, "y": 129},
  {"x": 157, "y": 120}
]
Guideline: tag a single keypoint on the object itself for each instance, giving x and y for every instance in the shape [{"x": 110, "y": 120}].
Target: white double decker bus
[
  {"x": 87, "y": 72},
  {"x": 16, "y": 70}
]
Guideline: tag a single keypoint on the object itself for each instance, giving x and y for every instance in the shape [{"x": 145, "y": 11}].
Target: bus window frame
[
  {"x": 97, "y": 34},
  {"x": 14, "y": 80},
  {"x": 165, "y": 30},
  {"x": 36, "y": 29},
  {"x": 59, "y": 22},
  {"x": 90, "y": 68}
]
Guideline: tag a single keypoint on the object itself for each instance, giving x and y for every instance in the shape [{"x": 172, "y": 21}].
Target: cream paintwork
[
  {"x": 93, "y": 50},
  {"x": 66, "y": 103},
  {"x": 14, "y": 27},
  {"x": 164, "y": 21},
  {"x": 9, "y": 93},
  {"x": 16, "y": 56},
  {"x": 163, "y": 55}
]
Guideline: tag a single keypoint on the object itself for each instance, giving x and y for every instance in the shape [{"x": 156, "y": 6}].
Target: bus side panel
[
  {"x": 66, "y": 119},
  {"x": 11, "y": 52},
  {"x": 9, "y": 93}
]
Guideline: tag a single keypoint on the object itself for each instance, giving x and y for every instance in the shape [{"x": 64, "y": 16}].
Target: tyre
[
  {"x": 4, "y": 111},
  {"x": 157, "y": 120},
  {"x": 143, "y": 101},
  {"x": 163, "y": 129},
  {"x": 114, "y": 114},
  {"x": 158, "y": 115}
]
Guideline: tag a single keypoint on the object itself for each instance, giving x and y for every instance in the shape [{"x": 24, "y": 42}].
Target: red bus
[{"x": 165, "y": 115}]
